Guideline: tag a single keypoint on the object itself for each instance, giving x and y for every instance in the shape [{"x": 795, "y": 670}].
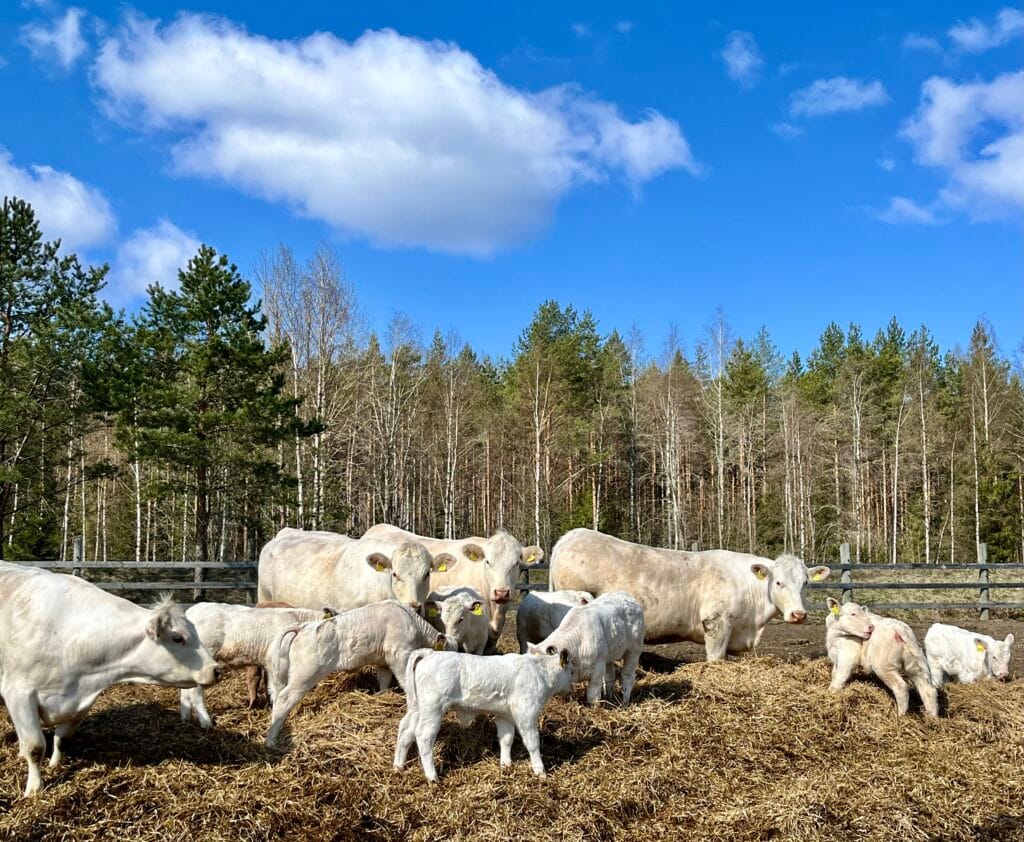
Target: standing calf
[
  {"x": 596, "y": 636},
  {"x": 966, "y": 656},
  {"x": 857, "y": 638},
  {"x": 381, "y": 635},
  {"x": 512, "y": 687},
  {"x": 540, "y": 612},
  {"x": 460, "y": 612}
]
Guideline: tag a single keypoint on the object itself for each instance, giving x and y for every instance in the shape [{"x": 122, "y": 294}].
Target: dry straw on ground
[{"x": 750, "y": 749}]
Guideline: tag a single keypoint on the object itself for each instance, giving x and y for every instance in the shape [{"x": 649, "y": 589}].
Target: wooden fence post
[
  {"x": 76, "y": 556},
  {"x": 983, "y": 580},
  {"x": 694, "y": 547},
  {"x": 846, "y": 577}
]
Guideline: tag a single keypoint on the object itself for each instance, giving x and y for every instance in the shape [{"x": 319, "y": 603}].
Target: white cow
[
  {"x": 540, "y": 612},
  {"x": 382, "y": 635},
  {"x": 237, "y": 636},
  {"x": 491, "y": 565},
  {"x": 310, "y": 569},
  {"x": 596, "y": 636},
  {"x": 966, "y": 655},
  {"x": 719, "y": 598},
  {"x": 514, "y": 688},
  {"x": 63, "y": 641},
  {"x": 859, "y": 639},
  {"x": 461, "y": 613}
]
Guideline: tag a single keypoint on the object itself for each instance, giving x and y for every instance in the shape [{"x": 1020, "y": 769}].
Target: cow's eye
[
  {"x": 780, "y": 584},
  {"x": 178, "y": 638},
  {"x": 487, "y": 562}
]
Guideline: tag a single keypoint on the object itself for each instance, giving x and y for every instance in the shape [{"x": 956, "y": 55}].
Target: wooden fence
[{"x": 239, "y": 578}]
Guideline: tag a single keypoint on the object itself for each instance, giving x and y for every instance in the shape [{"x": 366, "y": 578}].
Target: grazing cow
[
  {"x": 310, "y": 569},
  {"x": 461, "y": 613},
  {"x": 966, "y": 655},
  {"x": 238, "y": 636},
  {"x": 512, "y": 687},
  {"x": 63, "y": 641},
  {"x": 382, "y": 635},
  {"x": 859, "y": 639},
  {"x": 596, "y": 636},
  {"x": 540, "y": 612},
  {"x": 492, "y": 565},
  {"x": 719, "y": 598}
]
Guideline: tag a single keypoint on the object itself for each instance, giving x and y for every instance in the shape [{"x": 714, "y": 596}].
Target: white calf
[
  {"x": 540, "y": 612},
  {"x": 512, "y": 687},
  {"x": 965, "y": 655},
  {"x": 597, "y": 635},
  {"x": 381, "y": 635},
  {"x": 857, "y": 638},
  {"x": 460, "y": 612}
]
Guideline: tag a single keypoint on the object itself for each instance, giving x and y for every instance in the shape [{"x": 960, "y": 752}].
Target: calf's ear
[
  {"x": 979, "y": 644},
  {"x": 379, "y": 562},
  {"x": 440, "y": 643},
  {"x": 531, "y": 555},
  {"x": 833, "y": 605},
  {"x": 473, "y": 552},
  {"x": 443, "y": 562},
  {"x": 1009, "y": 639},
  {"x": 563, "y": 657},
  {"x": 432, "y": 609},
  {"x": 818, "y": 574},
  {"x": 552, "y": 650},
  {"x": 477, "y": 608},
  {"x": 760, "y": 571},
  {"x": 329, "y": 612}
]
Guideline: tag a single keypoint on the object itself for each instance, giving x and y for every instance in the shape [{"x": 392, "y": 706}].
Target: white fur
[
  {"x": 965, "y": 655},
  {"x": 540, "y": 612},
  {"x": 462, "y": 613}
]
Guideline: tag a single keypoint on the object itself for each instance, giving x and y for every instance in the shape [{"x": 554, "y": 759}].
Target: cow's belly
[{"x": 59, "y": 708}]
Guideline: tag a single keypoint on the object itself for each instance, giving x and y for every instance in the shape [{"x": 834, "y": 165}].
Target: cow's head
[
  {"x": 501, "y": 561},
  {"x": 785, "y": 579},
  {"x": 851, "y": 619},
  {"x": 409, "y": 567},
  {"x": 997, "y": 653},
  {"x": 172, "y": 652}
]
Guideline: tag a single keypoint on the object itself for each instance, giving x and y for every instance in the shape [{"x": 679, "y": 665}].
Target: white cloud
[
  {"x": 831, "y": 96},
  {"x": 400, "y": 140},
  {"x": 742, "y": 58},
  {"x": 903, "y": 211},
  {"x": 149, "y": 256},
  {"x": 787, "y": 131},
  {"x": 949, "y": 125},
  {"x": 887, "y": 163},
  {"x": 62, "y": 41},
  {"x": 581, "y": 30},
  {"x": 624, "y": 27},
  {"x": 976, "y": 36},
  {"x": 916, "y": 41},
  {"x": 77, "y": 214}
]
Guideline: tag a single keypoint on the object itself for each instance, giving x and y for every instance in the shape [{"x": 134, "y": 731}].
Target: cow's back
[{"x": 301, "y": 567}]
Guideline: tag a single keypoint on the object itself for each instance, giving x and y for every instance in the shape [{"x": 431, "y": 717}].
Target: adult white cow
[
  {"x": 716, "y": 597},
  {"x": 491, "y": 565},
  {"x": 63, "y": 641},
  {"x": 312, "y": 569}
]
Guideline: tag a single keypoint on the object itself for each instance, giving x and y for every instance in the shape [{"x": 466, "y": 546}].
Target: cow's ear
[
  {"x": 379, "y": 562},
  {"x": 329, "y": 612},
  {"x": 440, "y": 643},
  {"x": 563, "y": 657},
  {"x": 531, "y": 555},
  {"x": 477, "y": 608},
  {"x": 432, "y": 608},
  {"x": 818, "y": 574},
  {"x": 473, "y": 552},
  {"x": 1009, "y": 639},
  {"x": 156, "y": 628},
  {"x": 760, "y": 571},
  {"x": 584, "y": 601},
  {"x": 552, "y": 650},
  {"x": 833, "y": 605},
  {"x": 979, "y": 644},
  {"x": 443, "y": 562}
]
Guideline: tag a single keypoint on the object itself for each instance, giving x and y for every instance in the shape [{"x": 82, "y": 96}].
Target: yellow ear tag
[
  {"x": 816, "y": 577},
  {"x": 760, "y": 574},
  {"x": 432, "y": 611},
  {"x": 439, "y": 645},
  {"x": 980, "y": 647},
  {"x": 478, "y": 610},
  {"x": 531, "y": 558},
  {"x": 328, "y": 614},
  {"x": 380, "y": 568},
  {"x": 442, "y": 567},
  {"x": 835, "y": 610}
]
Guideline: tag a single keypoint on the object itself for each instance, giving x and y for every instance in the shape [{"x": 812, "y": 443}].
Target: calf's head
[
  {"x": 171, "y": 652},
  {"x": 785, "y": 579},
  {"x": 997, "y": 655},
  {"x": 409, "y": 567},
  {"x": 851, "y": 619},
  {"x": 457, "y": 616},
  {"x": 501, "y": 561},
  {"x": 559, "y": 663}
]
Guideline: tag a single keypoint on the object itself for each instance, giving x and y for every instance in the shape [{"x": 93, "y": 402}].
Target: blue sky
[{"x": 793, "y": 163}]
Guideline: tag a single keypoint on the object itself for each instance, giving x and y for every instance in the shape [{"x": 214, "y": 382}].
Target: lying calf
[
  {"x": 966, "y": 656},
  {"x": 381, "y": 635},
  {"x": 512, "y": 687},
  {"x": 597, "y": 635},
  {"x": 540, "y": 612},
  {"x": 237, "y": 636},
  {"x": 461, "y": 612},
  {"x": 857, "y": 638}
]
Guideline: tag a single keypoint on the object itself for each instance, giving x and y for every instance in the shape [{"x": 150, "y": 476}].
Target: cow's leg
[
  {"x": 628, "y": 674},
  {"x": 428, "y": 725},
  {"x": 894, "y": 681},
  {"x": 929, "y": 695},
  {"x": 530, "y": 735},
  {"x": 384, "y": 676},
  {"x": 935, "y": 670},
  {"x": 24, "y": 713},
  {"x": 406, "y": 737},
  {"x": 841, "y": 672},
  {"x": 198, "y": 701},
  {"x": 596, "y": 683},
  {"x": 716, "y": 636},
  {"x": 506, "y": 734},
  {"x": 609, "y": 680},
  {"x": 185, "y": 705},
  {"x": 252, "y": 684}
]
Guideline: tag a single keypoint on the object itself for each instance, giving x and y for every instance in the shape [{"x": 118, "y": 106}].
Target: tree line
[{"x": 201, "y": 424}]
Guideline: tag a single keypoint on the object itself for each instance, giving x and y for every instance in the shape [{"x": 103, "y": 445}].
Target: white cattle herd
[{"x": 429, "y": 613}]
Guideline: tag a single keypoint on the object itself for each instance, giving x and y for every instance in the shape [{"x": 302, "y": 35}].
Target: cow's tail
[
  {"x": 280, "y": 659},
  {"x": 915, "y": 667},
  {"x": 410, "y": 678}
]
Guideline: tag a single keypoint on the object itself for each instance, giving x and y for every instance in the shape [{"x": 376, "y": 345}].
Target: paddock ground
[{"x": 750, "y": 749}]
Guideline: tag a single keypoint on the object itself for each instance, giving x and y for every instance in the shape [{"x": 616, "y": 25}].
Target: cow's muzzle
[
  {"x": 797, "y": 617},
  {"x": 502, "y": 596}
]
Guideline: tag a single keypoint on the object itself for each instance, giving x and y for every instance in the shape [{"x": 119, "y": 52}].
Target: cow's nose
[
  {"x": 798, "y": 616},
  {"x": 502, "y": 595},
  {"x": 871, "y": 629}
]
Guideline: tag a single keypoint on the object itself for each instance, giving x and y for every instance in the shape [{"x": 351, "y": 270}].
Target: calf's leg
[
  {"x": 595, "y": 684},
  {"x": 428, "y": 724},
  {"x": 628, "y": 675},
  {"x": 252, "y": 684},
  {"x": 929, "y": 695},
  {"x": 894, "y": 681},
  {"x": 384, "y": 676},
  {"x": 506, "y": 733},
  {"x": 406, "y": 737},
  {"x": 841, "y": 672},
  {"x": 530, "y": 735}
]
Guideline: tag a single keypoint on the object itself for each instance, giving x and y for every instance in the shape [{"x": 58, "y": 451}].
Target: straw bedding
[{"x": 754, "y": 748}]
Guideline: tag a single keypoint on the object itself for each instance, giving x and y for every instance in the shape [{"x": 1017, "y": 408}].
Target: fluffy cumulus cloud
[
  {"x": 60, "y": 42},
  {"x": 976, "y": 36},
  {"x": 400, "y": 140},
  {"x": 831, "y": 96},
  {"x": 149, "y": 256},
  {"x": 74, "y": 212},
  {"x": 975, "y": 133},
  {"x": 742, "y": 58}
]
